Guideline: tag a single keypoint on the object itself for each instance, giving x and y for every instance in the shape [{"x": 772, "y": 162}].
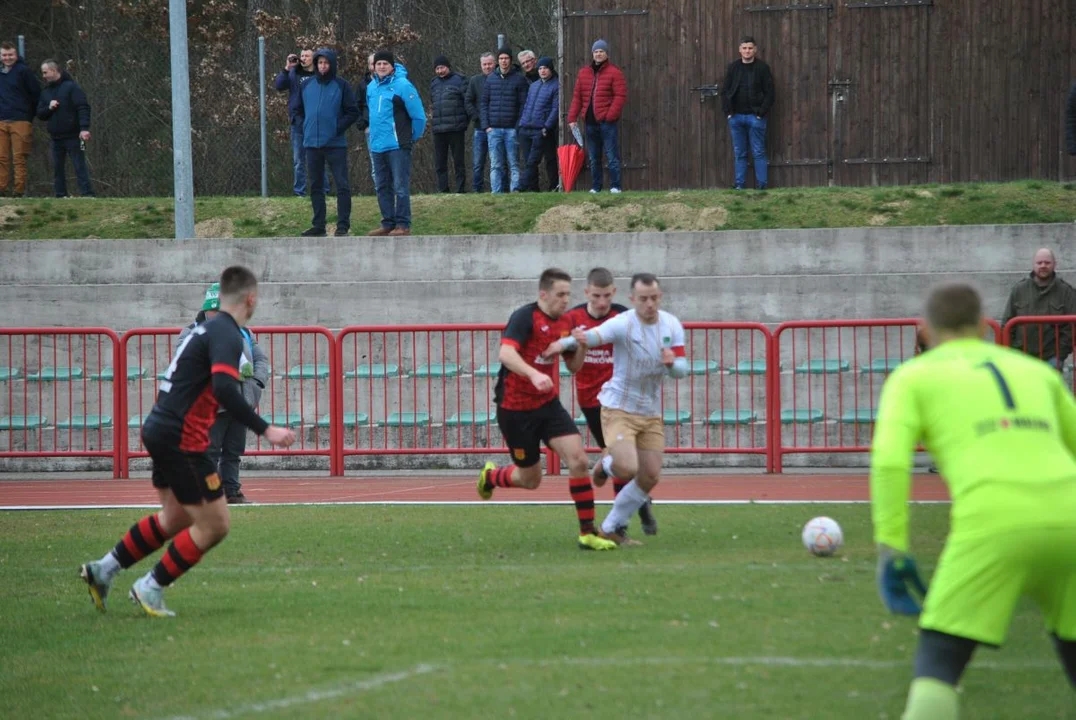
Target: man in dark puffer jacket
[
  {"x": 63, "y": 104},
  {"x": 539, "y": 124},
  {"x": 503, "y": 99},
  {"x": 450, "y": 121}
]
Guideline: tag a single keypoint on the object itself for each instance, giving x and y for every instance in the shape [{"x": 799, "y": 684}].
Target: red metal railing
[
  {"x": 58, "y": 393},
  {"x": 1049, "y": 337}
]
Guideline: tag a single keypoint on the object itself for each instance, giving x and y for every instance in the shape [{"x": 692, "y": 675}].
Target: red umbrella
[{"x": 571, "y": 162}]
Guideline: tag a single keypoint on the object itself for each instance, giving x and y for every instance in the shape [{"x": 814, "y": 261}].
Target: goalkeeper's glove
[{"x": 899, "y": 582}]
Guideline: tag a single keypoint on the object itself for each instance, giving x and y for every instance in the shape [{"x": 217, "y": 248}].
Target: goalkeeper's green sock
[{"x": 931, "y": 699}]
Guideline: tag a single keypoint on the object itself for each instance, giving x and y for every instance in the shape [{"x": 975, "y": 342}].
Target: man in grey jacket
[
  {"x": 228, "y": 438},
  {"x": 1042, "y": 293}
]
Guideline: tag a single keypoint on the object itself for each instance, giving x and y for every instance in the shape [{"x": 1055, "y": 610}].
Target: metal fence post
[
  {"x": 22, "y": 47},
  {"x": 262, "y": 119},
  {"x": 501, "y": 40},
  {"x": 182, "y": 160}
]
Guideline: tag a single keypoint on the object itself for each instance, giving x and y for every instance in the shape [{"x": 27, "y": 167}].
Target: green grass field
[
  {"x": 1031, "y": 201},
  {"x": 479, "y": 612}
]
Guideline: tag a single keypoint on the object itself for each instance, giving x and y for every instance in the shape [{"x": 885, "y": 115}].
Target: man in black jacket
[
  {"x": 746, "y": 98},
  {"x": 64, "y": 106},
  {"x": 473, "y": 100},
  {"x": 447, "y": 91}
]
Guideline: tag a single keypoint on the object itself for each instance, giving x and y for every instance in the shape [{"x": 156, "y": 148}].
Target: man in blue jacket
[
  {"x": 538, "y": 125},
  {"x": 298, "y": 70},
  {"x": 19, "y": 91},
  {"x": 64, "y": 106},
  {"x": 397, "y": 120},
  {"x": 503, "y": 99},
  {"x": 447, "y": 91},
  {"x": 328, "y": 108}
]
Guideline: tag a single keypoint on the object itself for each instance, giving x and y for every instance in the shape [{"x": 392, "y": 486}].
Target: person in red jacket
[{"x": 599, "y": 97}]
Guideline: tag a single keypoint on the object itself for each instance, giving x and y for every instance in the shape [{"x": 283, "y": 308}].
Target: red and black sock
[
  {"x": 583, "y": 497},
  {"x": 144, "y": 537},
  {"x": 180, "y": 557},
  {"x": 619, "y": 485},
  {"x": 500, "y": 477}
]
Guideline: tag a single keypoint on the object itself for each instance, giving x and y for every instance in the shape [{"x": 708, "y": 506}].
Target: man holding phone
[{"x": 297, "y": 71}]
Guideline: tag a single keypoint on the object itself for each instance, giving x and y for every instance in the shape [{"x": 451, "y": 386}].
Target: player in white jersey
[{"x": 648, "y": 346}]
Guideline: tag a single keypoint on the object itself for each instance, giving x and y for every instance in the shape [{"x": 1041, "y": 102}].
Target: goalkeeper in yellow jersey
[{"x": 1002, "y": 427}]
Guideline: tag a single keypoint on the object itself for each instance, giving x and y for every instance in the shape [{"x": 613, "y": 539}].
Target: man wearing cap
[
  {"x": 599, "y": 97},
  {"x": 447, "y": 90},
  {"x": 397, "y": 120},
  {"x": 228, "y": 437},
  {"x": 538, "y": 126},
  {"x": 503, "y": 99}
]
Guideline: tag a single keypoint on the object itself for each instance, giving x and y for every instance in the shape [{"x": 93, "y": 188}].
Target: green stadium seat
[
  {"x": 749, "y": 367},
  {"x": 55, "y": 374},
  {"x": 437, "y": 370},
  {"x": 408, "y": 419},
  {"x": 350, "y": 420},
  {"x": 135, "y": 421},
  {"x": 471, "y": 418},
  {"x": 581, "y": 420},
  {"x": 731, "y": 417},
  {"x": 23, "y": 422},
  {"x": 801, "y": 416},
  {"x": 564, "y": 371},
  {"x": 283, "y": 419},
  {"x": 374, "y": 371},
  {"x": 674, "y": 417},
  {"x": 107, "y": 374},
  {"x": 823, "y": 367},
  {"x": 881, "y": 365},
  {"x": 308, "y": 371},
  {"x": 861, "y": 416},
  {"x": 86, "y": 422},
  {"x": 491, "y": 370},
  {"x": 9, "y": 373},
  {"x": 703, "y": 367}
]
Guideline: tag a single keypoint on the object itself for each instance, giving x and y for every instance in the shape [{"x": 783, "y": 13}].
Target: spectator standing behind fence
[
  {"x": 1042, "y": 293},
  {"x": 746, "y": 97},
  {"x": 360, "y": 90},
  {"x": 503, "y": 99},
  {"x": 228, "y": 436},
  {"x": 328, "y": 108},
  {"x": 19, "y": 93},
  {"x": 447, "y": 91},
  {"x": 397, "y": 120},
  {"x": 538, "y": 125},
  {"x": 1070, "y": 120},
  {"x": 297, "y": 71},
  {"x": 599, "y": 98},
  {"x": 528, "y": 64},
  {"x": 63, "y": 105},
  {"x": 480, "y": 143}
]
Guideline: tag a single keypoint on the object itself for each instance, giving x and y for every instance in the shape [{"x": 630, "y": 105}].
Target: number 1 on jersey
[{"x": 1005, "y": 393}]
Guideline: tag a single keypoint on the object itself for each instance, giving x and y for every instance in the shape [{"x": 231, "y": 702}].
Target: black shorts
[
  {"x": 594, "y": 422},
  {"x": 525, "y": 430},
  {"x": 192, "y": 477}
]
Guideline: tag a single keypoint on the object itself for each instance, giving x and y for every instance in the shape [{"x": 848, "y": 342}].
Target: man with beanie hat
[
  {"x": 227, "y": 436},
  {"x": 447, "y": 90},
  {"x": 538, "y": 125},
  {"x": 599, "y": 97},
  {"x": 503, "y": 99},
  {"x": 397, "y": 120}
]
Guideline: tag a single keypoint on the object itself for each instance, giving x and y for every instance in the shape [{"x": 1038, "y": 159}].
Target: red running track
[{"x": 439, "y": 489}]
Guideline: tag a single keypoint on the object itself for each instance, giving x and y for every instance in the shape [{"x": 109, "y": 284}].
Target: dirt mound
[
  {"x": 215, "y": 228},
  {"x": 629, "y": 217}
]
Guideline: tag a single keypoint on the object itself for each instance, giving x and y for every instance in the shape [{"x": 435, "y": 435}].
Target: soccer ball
[{"x": 822, "y": 536}]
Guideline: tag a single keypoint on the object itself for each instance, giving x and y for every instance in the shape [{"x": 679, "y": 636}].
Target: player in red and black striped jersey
[
  {"x": 598, "y": 368},
  {"x": 529, "y": 411},
  {"x": 203, "y": 374}
]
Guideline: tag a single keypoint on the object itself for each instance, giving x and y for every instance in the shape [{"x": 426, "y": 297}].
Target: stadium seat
[
  {"x": 408, "y": 419},
  {"x": 749, "y": 367},
  {"x": 801, "y": 416},
  {"x": 731, "y": 417},
  {"x": 823, "y": 367},
  {"x": 283, "y": 419},
  {"x": 703, "y": 367},
  {"x": 9, "y": 373},
  {"x": 491, "y": 370},
  {"x": 437, "y": 370},
  {"x": 581, "y": 420},
  {"x": 373, "y": 371},
  {"x": 471, "y": 418},
  {"x": 107, "y": 374},
  {"x": 350, "y": 420},
  {"x": 881, "y": 365},
  {"x": 308, "y": 371},
  {"x": 861, "y": 416},
  {"x": 564, "y": 371},
  {"x": 86, "y": 422},
  {"x": 675, "y": 417},
  {"x": 23, "y": 422},
  {"x": 135, "y": 421},
  {"x": 55, "y": 374}
]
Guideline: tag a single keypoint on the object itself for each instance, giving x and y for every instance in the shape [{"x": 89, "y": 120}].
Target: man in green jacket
[{"x": 1042, "y": 293}]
